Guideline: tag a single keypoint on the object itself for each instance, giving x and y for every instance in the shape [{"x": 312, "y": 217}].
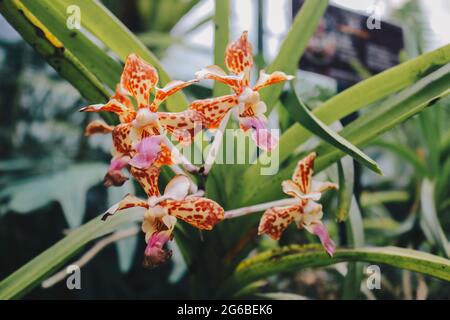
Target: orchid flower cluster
[{"x": 140, "y": 146}]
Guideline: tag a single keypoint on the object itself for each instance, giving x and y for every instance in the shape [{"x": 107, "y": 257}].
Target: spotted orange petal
[
  {"x": 303, "y": 173},
  {"x": 200, "y": 212},
  {"x": 275, "y": 220},
  {"x": 182, "y": 125},
  {"x": 217, "y": 74},
  {"x": 239, "y": 57},
  {"x": 269, "y": 79},
  {"x": 138, "y": 78},
  {"x": 148, "y": 179},
  {"x": 125, "y": 113},
  {"x": 214, "y": 110},
  {"x": 164, "y": 157},
  {"x": 171, "y": 88},
  {"x": 97, "y": 127},
  {"x": 129, "y": 201},
  {"x": 122, "y": 139}
]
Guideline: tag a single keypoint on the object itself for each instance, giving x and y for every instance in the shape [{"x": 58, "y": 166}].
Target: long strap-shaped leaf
[
  {"x": 32, "y": 273},
  {"x": 52, "y": 48},
  {"x": 307, "y": 119},
  {"x": 363, "y": 130},
  {"x": 116, "y": 36},
  {"x": 295, "y": 257},
  {"x": 358, "y": 96}
]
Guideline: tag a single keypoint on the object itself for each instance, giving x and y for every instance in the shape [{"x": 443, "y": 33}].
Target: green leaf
[
  {"x": 101, "y": 23},
  {"x": 425, "y": 93},
  {"x": 40, "y": 267},
  {"x": 295, "y": 257},
  {"x": 68, "y": 187},
  {"x": 345, "y": 192},
  {"x": 363, "y": 130},
  {"x": 307, "y": 119},
  {"x": 430, "y": 217},
  {"x": 354, "y": 98},
  {"x": 221, "y": 39},
  {"x": 51, "y": 47},
  {"x": 293, "y": 46}
]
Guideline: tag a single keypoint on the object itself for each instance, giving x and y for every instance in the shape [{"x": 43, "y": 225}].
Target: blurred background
[{"x": 51, "y": 175}]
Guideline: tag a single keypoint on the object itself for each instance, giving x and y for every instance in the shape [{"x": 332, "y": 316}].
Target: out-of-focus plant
[{"x": 218, "y": 262}]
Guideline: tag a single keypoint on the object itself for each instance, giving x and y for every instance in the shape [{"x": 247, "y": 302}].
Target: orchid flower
[
  {"x": 164, "y": 210},
  {"x": 307, "y": 213},
  {"x": 246, "y": 99},
  {"x": 138, "y": 80}
]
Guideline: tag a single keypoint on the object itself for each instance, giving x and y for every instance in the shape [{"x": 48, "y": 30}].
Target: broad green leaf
[
  {"x": 429, "y": 216},
  {"x": 221, "y": 39},
  {"x": 367, "y": 127},
  {"x": 293, "y": 46},
  {"x": 43, "y": 265},
  {"x": 101, "y": 23},
  {"x": 307, "y": 119},
  {"x": 354, "y": 98},
  {"x": 296, "y": 257},
  {"x": 425, "y": 93},
  {"x": 68, "y": 187},
  {"x": 96, "y": 60},
  {"x": 51, "y": 47}
]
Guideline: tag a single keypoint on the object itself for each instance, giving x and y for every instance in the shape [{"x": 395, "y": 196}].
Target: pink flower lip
[
  {"x": 147, "y": 152},
  {"x": 154, "y": 254},
  {"x": 328, "y": 244}
]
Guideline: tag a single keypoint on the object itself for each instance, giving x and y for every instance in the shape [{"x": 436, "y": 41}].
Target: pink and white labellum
[
  {"x": 162, "y": 212},
  {"x": 246, "y": 99},
  {"x": 307, "y": 213}
]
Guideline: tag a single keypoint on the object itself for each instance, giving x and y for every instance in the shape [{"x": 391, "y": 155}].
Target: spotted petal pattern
[
  {"x": 200, "y": 212},
  {"x": 171, "y": 88},
  {"x": 239, "y": 57},
  {"x": 138, "y": 78},
  {"x": 266, "y": 80},
  {"x": 214, "y": 110},
  {"x": 97, "y": 127},
  {"x": 148, "y": 179},
  {"x": 303, "y": 173},
  {"x": 182, "y": 125},
  {"x": 275, "y": 220}
]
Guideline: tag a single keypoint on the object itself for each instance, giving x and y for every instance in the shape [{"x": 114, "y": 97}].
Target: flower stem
[
  {"x": 218, "y": 137},
  {"x": 258, "y": 208}
]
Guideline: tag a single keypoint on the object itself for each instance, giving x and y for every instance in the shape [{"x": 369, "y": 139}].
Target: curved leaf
[
  {"x": 354, "y": 98},
  {"x": 367, "y": 127},
  {"x": 295, "y": 257},
  {"x": 307, "y": 119},
  {"x": 99, "y": 21},
  {"x": 51, "y": 47}
]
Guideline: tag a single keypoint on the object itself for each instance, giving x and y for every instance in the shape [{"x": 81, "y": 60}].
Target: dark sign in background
[{"x": 343, "y": 42}]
